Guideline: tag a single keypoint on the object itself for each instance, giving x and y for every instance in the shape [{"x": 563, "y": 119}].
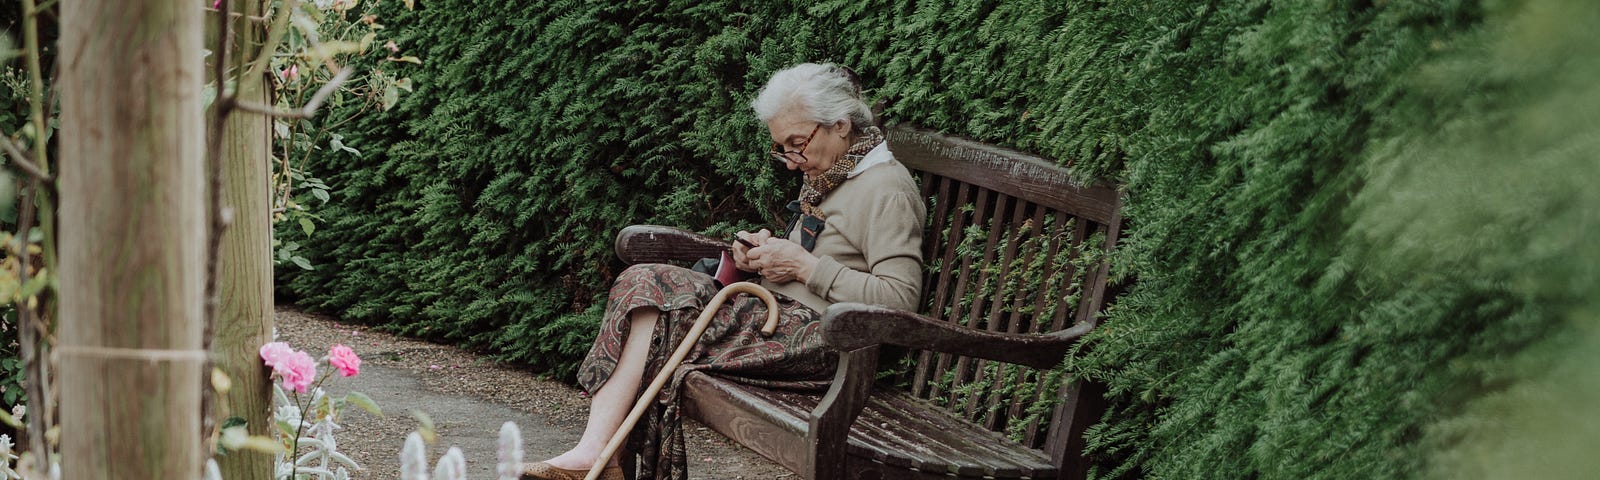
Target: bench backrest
[{"x": 1013, "y": 245}]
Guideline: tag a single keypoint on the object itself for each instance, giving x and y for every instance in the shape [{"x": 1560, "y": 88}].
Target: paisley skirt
[{"x": 731, "y": 347}]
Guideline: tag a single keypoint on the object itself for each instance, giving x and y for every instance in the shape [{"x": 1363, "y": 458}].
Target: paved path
[
  {"x": 468, "y": 398},
  {"x": 469, "y": 423}
]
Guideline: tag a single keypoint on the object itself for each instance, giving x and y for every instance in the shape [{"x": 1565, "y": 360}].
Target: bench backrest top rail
[{"x": 1007, "y": 171}]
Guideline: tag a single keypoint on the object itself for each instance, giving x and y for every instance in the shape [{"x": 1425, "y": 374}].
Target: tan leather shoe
[{"x": 544, "y": 471}]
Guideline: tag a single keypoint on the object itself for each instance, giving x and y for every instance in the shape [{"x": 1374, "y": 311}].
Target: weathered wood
[
  {"x": 734, "y": 412},
  {"x": 1008, "y": 171},
  {"x": 1082, "y": 399},
  {"x": 244, "y": 263},
  {"x": 956, "y": 314},
  {"x": 1083, "y": 403},
  {"x": 829, "y": 429},
  {"x": 658, "y": 244},
  {"x": 1080, "y": 236},
  {"x": 927, "y": 366},
  {"x": 999, "y": 322},
  {"x": 895, "y": 436},
  {"x": 997, "y": 228},
  {"x": 132, "y": 239},
  {"x": 1041, "y": 302}
]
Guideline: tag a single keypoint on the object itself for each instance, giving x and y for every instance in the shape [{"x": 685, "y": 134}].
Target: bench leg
[
  {"x": 829, "y": 433},
  {"x": 1083, "y": 403}
]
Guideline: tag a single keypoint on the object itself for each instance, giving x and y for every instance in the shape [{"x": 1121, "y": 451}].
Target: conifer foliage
[{"x": 1266, "y": 331}]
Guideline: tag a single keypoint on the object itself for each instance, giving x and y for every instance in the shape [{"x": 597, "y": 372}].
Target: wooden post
[
  {"x": 244, "y": 263},
  {"x": 132, "y": 239}
]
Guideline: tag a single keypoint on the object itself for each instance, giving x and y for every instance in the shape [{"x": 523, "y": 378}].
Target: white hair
[{"x": 827, "y": 92}]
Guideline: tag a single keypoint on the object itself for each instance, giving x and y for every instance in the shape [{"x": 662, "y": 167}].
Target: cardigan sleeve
[{"x": 892, "y": 248}]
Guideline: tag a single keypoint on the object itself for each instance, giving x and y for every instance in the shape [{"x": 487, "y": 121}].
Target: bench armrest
[
  {"x": 852, "y": 326},
  {"x": 659, "y": 244}
]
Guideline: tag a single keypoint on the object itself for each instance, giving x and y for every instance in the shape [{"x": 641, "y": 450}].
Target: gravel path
[{"x": 469, "y": 397}]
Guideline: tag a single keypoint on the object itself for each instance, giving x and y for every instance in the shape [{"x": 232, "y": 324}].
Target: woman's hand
[
  {"x": 782, "y": 261},
  {"x": 741, "y": 253}
]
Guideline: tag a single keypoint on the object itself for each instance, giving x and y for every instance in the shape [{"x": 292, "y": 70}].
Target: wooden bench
[{"x": 1016, "y": 275}]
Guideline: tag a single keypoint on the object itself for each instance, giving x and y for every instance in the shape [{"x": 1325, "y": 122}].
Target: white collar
[{"x": 878, "y": 154}]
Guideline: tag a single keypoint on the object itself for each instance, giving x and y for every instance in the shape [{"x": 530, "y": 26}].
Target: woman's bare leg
[{"x": 612, "y": 402}]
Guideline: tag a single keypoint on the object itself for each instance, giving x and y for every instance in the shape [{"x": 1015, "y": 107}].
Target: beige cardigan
[{"x": 871, "y": 249}]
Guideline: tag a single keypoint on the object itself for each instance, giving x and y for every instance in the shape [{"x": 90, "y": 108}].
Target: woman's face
[{"x": 826, "y": 144}]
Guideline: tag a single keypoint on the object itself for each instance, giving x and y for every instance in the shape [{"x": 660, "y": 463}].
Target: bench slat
[
  {"x": 942, "y": 365},
  {"x": 1081, "y": 231},
  {"x": 1041, "y": 303},
  {"x": 958, "y": 225},
  {"x": 1002, "y": 458},
  {"x": 997, "y": 229},
  {"x": 895, "y": 431}
]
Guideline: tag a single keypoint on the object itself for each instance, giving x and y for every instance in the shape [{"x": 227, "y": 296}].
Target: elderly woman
[{"x": 856, "y": 237}]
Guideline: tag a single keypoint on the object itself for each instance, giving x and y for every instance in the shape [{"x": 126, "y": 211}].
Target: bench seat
[{"x": 894, "y": 432}]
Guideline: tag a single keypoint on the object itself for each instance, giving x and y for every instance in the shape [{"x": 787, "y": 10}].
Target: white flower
[
  {"x": 212, "y": 471},
  {"x": 18, "y": 411},
  {"x": 510, "y": 452},
  {"x": 414, "y": 458},
  {"x": 289, "y": 414},
  {"x": 453, "y": 466},
  {"x": 6, "y": 457}
]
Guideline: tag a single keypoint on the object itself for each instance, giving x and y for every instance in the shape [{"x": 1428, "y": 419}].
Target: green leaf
[
  {"x": 285, "y": 428},
  {"x": 6, "y": 418},
  {"x": 407, "y": 59},
  {"x": 362, "y": 400},
  {"x": 307, "y": 226},
  {"x": 302, "y": 262},
  {"x": 235, "y": 421},
  {"x": 35, "y": 284},
  {"x": 391, "y": 95},
  {"x": 327, "y": 50},
  {"x": 320, "y": 194},
  {"x": 426, "y": 425},
  {"x": 236, "y": 438}
]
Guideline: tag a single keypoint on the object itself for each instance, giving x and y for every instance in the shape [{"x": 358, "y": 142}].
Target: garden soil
[{"x": 468, "y": 398}]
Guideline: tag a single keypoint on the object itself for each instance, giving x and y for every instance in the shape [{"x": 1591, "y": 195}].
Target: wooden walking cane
[{"x": 667, "y": 369}]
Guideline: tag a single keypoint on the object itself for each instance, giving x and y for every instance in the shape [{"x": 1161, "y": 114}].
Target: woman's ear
[{"x": 843, "y": 126}]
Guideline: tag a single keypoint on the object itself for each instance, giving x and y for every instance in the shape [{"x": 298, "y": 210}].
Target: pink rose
[
  {"x": 296, "y": 368},
  {"x": 297, "y": 371},
  {"x": 344, "y": 359},
  {"x": 274, "y": 353}
]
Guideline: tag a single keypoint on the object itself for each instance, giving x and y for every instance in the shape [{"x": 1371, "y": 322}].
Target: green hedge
[{"x": 1300, "y": 306}]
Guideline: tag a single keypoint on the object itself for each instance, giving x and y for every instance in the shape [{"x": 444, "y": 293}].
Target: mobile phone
[{"x": 746, "y": 243}]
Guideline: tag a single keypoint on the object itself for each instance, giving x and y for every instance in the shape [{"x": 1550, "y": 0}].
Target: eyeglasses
[{"x": 797, "y": 156}]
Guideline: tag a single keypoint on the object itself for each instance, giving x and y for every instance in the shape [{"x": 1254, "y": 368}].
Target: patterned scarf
[
  {"x": 818, "y": 186},
  {"x": 808, "y": 219}
]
